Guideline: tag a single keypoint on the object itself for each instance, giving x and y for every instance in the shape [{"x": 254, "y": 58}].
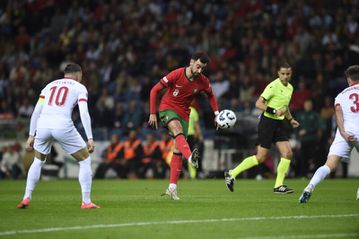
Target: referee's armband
[{"x": 271, "y": 110}]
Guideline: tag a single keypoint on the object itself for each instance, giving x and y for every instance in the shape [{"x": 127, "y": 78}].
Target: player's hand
[
  {"x": 90, "y": 145},
  {"x": 280, "y": 112},
  {"x": 348, "y": 137},
  {"x": 294, "y": 123},
  {"x": 153, "y": 121},
  {"x": 302, "y": 132},
  {"x": 30, "y": 143},
  {"x": 215, "y": 122}
]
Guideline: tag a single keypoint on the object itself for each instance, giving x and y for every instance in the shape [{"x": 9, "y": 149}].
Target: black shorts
[{"x": 272, "y": 131}]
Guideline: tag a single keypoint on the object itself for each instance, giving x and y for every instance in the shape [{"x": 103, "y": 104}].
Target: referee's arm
[
  {"x": 292, "y": 121},
  {"x": 261, "y": 104}
]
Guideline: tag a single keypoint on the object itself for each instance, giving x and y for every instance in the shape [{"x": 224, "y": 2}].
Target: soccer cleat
[
  {"x": 89, "y": 206},
  {"x": 283, "y": 189},
  {"x": 193, "y": 159},
  {"x": 229, "y": 181},
  {"x": 24, "y": 203},
  {"x": 304, "y": 198},
  {"x": 171, "y": 193}
]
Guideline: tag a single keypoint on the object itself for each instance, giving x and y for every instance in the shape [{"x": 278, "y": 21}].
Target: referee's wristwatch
[{"x": 271, "y": 110}]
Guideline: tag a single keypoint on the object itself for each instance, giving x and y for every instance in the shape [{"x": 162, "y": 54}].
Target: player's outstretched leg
[
  {"x": 194, "y": 158},
  {"x": 229, "y": 181},
  {"x": 33, "y": 177},
  {"x": 318, "y": 176},
  {"x": 246, "y": 164}
]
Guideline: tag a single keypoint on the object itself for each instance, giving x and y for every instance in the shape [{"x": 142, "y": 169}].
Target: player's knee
[
  {"x": 288, "y": 154},
  {"x": 261, "y": 158},
  {"x": 40, "y": 156}
]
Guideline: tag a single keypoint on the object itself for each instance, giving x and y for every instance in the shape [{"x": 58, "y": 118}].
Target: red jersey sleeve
[
  {"x": 212, "y": 99},
  {"x": 153, "y": 97},
  {"x": 170, "y": 78}
]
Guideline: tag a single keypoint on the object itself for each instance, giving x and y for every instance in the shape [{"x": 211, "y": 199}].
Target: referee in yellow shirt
[
  {"x": 195, "y": 137},
  {"x": 274, "y": 102}
]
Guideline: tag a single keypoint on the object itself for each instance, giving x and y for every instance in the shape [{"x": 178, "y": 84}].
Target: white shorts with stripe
[
  {"x": 342, "y": 148},
  {"x": 69, "y": 139}
]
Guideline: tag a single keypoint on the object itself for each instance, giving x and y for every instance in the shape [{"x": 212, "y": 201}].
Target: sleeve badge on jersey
[{"x": 165, "y": 79}]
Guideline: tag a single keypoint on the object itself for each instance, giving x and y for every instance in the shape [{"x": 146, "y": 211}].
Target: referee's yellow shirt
[
  {"x": 193, "y": 119},
  {"x": 277, "y": 96}
]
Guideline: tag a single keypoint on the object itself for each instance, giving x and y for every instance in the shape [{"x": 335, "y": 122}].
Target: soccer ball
[{"x": 226, "y": 119}]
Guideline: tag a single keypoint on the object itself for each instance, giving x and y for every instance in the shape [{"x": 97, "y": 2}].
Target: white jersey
[
  {"x": 60, "y": 98},
  {"x": 348, "y": 100}
]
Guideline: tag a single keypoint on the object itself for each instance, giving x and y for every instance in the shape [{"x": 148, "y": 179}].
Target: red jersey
[{"x": 181, "y": 91}]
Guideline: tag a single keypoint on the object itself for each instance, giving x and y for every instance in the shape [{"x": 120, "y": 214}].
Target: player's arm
[
  {"x": 213, "y": 102},
  {"x": 153, "y": 104},
  {"x": 262, "y": 104},
  {"x": 33, "y": 123},
  {"x": 292, "y": 121},
  {"x": 340, "y": 124},
  {"x": 86, "y": 123}
]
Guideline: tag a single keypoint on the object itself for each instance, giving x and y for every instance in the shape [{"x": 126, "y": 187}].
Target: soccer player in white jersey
[
  {"x": 347, "y": 135},
  {"x": 51, "y": 121}
]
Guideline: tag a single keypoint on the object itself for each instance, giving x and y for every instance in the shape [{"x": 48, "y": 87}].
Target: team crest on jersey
[
  {"x": 175, "y": 92},
  {"x": 195, "y": 91}
]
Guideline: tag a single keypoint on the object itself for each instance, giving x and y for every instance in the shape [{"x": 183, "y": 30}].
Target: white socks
[
  {"x": 85, "y": 179},
  {"x": 33, "y": 176},
  {"x": 172, "y": 186},
  {"x": 319, "y": 175}
]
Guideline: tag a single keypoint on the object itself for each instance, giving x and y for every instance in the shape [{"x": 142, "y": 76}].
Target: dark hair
[
  {"x": 202, "y": 56},
  {"x": 284, "y": 64},
  {"x": 72, "y": 68},
  {"x": 352, "y": 72}
]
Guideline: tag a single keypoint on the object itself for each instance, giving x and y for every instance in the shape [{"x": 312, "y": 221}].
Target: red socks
[
  {"x": 183, "y": 146},
  {"x": 176, "y": 168}
]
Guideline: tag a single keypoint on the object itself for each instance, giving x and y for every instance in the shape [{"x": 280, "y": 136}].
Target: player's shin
[
  {"x": 85, "y": 179},
  {"x": 33, "y": 177},
  {"x": 247, "y": 163},
  {"x": 183, "y": 146},
  {"x": 282, "y": 170},
  {"x": 318, "y": 176},
  {"x": 176, "y": 168}
]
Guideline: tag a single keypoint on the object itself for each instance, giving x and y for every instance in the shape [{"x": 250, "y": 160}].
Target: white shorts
[
  {"x": 342, "y": 148},
  {"x": 69, "y": 139}
]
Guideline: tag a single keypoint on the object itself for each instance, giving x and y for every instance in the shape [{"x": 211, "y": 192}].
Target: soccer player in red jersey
[{"x": 182, "y": 85}]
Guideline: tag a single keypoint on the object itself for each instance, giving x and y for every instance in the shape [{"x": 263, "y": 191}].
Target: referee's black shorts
[{"x": 272, "y": 131}]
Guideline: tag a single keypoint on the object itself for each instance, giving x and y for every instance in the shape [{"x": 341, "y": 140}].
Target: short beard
[{"x": 194, "y": 74}]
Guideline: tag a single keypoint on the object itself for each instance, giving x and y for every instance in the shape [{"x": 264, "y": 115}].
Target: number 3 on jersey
[
  {"x": 61, "y": 94},
  {"x": 355, "y": 98}
]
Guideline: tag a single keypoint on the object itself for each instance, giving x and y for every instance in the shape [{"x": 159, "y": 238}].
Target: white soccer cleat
[
  {"x": 171, "y": 193},
  {"x": 193, "y": 159}
]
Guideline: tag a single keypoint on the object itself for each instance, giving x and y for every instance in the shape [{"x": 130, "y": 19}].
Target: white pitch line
[{"x": 198, "y": 221}]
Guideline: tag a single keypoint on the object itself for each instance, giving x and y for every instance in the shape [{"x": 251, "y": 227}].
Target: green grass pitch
[{"x": 135, "y": 209}]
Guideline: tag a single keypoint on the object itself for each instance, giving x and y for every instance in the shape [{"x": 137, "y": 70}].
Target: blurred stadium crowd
[{"x": 125, "y": 47}]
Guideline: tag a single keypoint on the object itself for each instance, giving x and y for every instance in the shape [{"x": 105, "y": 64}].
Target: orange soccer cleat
[
  {"x": 24, "y": 203},
  {"x": 89, "y": 206}
]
